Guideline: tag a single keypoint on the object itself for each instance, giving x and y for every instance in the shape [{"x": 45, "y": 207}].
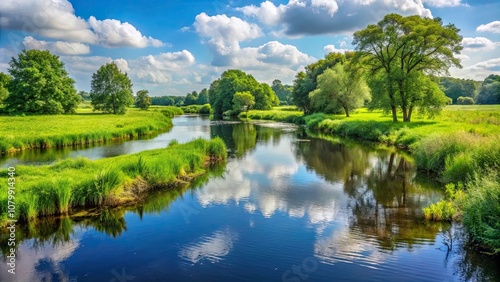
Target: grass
[
  {"x": 106, "y": 182},
  {"x": 197, "y": 109},
  {"x": 31, "y": 132}
]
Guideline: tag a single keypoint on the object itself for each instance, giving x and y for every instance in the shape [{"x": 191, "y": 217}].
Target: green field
[
  {"x": 71, "y": 183},
  {"x": 85, "y": 127}
]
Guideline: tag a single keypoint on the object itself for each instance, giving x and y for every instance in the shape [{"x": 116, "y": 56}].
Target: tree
[
  {"x": 456, "y": 87},
  {"x": 490, "y": 90},
  {"x": 4, "y": 84},
  {"x": 243, "y": 101},
  {"x": 222, "y": 90},
  {"x": 465, "y": 101},
  {"x": 340, "y": 88},
  {"x": 284, "y": 92},
  {"x": 400, "y": 50},
  {"x": 40, "y": 85},
  {"x": 142, "y": 100},
  {"x": 111, "y": 90},
  {"x": 191, "y": 99},
  {"x": 202, "y": 97},
  {"x": 84, "y": 95}
]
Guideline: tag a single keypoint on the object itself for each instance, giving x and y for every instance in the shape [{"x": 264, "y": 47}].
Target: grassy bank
[
  {"x": 73, "y": 183},
  {"x": 461, "y": 145},
  {"x": 30, "y": 132}
]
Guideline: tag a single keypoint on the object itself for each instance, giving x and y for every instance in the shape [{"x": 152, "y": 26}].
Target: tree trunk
[
  {"x": 405, "y": 113},
  {"x": 410, "y": 111},
  {"x": 346, "y": 109},
  {"x": 394, "y": 113}
]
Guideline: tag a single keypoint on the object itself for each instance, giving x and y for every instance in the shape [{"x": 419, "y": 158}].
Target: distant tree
[
  {"x": 84, "y": 95},
  {"x": 4, "y": 84},
  {"x": 465, "y": 101},
  {"x": 111, "y": 90},
  {"x": 40, "y": 85},
  {"x": 340, "y": 88},
  {"x": 222, "y": 90},
  {"x": 306, "y": 82},
  {"x": 456, "y": 87},
  {"x": 202, "y": 97},
  {"x": 399, "y": 50},
  {"x": 191, "y": 99},
  {"x": 142, "y": 100},
  {"x": 162, "y": 101},
  {"x": 490, "y": 90},
  {"x": 243, "y": 101},
  {"x": 284, "y": 92}
]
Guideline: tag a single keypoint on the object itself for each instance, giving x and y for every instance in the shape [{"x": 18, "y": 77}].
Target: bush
[
  {"x": 205, "y": 109},
  {"x": 465, "y": 101},
  {"x": 217, "y": 148}
]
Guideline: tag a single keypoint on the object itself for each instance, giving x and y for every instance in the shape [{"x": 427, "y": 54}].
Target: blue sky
[{"x": 173, "y": 47}]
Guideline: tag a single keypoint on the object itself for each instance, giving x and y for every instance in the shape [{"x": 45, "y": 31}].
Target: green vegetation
[
  {"x": 284, "y": 92},
  {"x": 197, "y": 109},
  {"x": 111, "y": 90},
  {"x": 456, "y": 87},
  {"x": 30, "y": 132},
  {"x": 106, "y": 182},
  {"x": 490, "y": 90},
  {"x": 39, "y": 85},
  {"x": 142, "y": 100},
  {"x": 465, "y": 101},
  {"x": 285, "y": 114},
  {"x": 170, "y": 111},
  {"x": 243, "y": 101}
]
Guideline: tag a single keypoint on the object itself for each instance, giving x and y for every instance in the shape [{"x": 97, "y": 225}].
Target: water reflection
[{"x": 213, "y": 247}]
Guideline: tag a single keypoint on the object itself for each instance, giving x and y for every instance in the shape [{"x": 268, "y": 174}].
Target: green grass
[
  {"x": 106, "y": 182},
  {"x": 30, "y": 132}
]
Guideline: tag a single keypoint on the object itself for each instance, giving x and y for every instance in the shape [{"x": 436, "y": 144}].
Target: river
[{"x": 285, "y": 207}]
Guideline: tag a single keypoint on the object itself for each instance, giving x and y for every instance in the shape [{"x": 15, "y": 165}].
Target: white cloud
[
  {"x": 225, "y": 33},
  {"x": 57, "y": 19},
  {"x": 53, "y": 19},
  {"x": 113, "y": 33},
  {"x": 160, "y": 68},
  {"x": 443, "y": 3},
  {"x": 57, "y": 47},
  {"x": 489, "y": 65},
  {"x": 477, "y": 44},
  {"x": 332, "y": 49},
  {"x": 478, "y": 71},
  {"x": 311, "y": 17},
  {"x": 493, "y": 27}
]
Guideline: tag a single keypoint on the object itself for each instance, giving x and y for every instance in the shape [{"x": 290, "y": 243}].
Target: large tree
[
  {"x": 222, "y": 90},
  {"x": 142, "y": 100},
  {"x": 40, "y": 85},
  {"x": 4, "y": 84},
  {"x": 340, "y": 87},
  {"x": 399, "y": 50},
  {"x": 490, "y": 90},
  {"x": 111, "y": 90}
]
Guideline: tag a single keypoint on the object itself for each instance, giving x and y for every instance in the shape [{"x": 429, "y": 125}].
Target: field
[
  {"x": 28, "y": 132},
  {"x": 73, "y": 183}
]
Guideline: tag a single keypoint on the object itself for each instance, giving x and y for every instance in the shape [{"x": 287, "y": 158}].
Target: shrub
[
  {"x": 465, "y": 101},
  {"x": 205, "y": 109}
]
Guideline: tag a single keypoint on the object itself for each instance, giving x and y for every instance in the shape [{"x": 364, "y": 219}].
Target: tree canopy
[
  {"x": 222, "y": 90},
  {"x": 40, "y": 85},
  {"x": 4, "y": 84},
  {"x": 456, "y": 87},
  {"x": 339, "y": 88},
  {"x": 399, "y": 51},
  {"x": 243, "y": 101},
  {"x": 111, "y": 90},
  {"x": 142, "y": 100},
  {"x": 490, "y": 90},
  {"x": 284, "y": 92}
]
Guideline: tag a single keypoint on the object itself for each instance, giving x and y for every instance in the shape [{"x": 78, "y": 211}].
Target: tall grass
[
  {"x": 107, "y": 182},
  {"x": 32, "y": 132},
  {"x": 170, "y": 111}
]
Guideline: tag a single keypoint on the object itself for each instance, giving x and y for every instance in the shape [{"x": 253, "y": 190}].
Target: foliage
[
  {"x": 40, "y": 85},
  {"x": 171, "y": 111},
  {"x": 222, "y": 90},
  {"x": 84, "y": 95},
  {"x": 284, "y": 92},
  {"x": 339, "y": 88},
  {"x": 400, "y": 51},
  {"x": 465, "y": 101},
  {"x": 305, "y": 82},
  {"x": 111, "y": 90},
  {"x": 142, "y": 100},
  {"x": 83, "y": 128},
  {"x": 205, "y": 109},
  {"x": 4, "y": 85},
  {"x": 277, "y": 114},
  {"x": 450, "y": 208},
  {"x": 456, "y": 87},
  {"x": 109, "y": 181},
  {"x": 243, "y": 101},
  {"x": 490, "y": 90}
]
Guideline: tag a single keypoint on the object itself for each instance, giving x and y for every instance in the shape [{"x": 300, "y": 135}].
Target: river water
[{"x": 285, "y": 207}]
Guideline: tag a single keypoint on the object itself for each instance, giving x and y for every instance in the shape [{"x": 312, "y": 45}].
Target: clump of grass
[
  {"x": 97, "y": 191},
  {"x": 171, "y": 111},
  {"x": 449, "y": 208},
  {"x": 63, "y": 195},
  {"x": 28, "y": 209},
  {"x": 216, "y": 149}
]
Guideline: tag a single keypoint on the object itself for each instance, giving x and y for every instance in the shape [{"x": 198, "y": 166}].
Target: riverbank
[
  {"x": 85, "y": 127},
  {"x": 462, "y": 146},
  {"x": 76, "y": 183}
]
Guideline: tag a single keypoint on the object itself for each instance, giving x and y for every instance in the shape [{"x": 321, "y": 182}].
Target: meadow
[
  {"x": 76, "y": 183},
  {"x": 85, "y": 127}
]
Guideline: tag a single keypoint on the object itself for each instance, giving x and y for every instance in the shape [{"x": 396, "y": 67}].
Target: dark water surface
[{"x": 285, "y": 207}]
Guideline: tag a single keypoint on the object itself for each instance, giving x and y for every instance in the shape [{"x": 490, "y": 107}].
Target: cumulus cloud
[
  {"x": 332, "y": 49},
  {"x": 489, "y": 65},
  {"x": 312, "y": 17},
  {"x": 225, "y": 32},
  {"x": 477, "y": 44},
  {"x": 443, "y": 3},
  {"x": 57, "y": 19},
  {"x": 113, "y": 33},
  {"x": 493, "y": 27},
  {"x": 160, "y": 68},
  {"x": 57, "y": 47}
]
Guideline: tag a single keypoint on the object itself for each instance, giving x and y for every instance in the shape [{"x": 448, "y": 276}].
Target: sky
[{"x": 173, "y": 47}]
